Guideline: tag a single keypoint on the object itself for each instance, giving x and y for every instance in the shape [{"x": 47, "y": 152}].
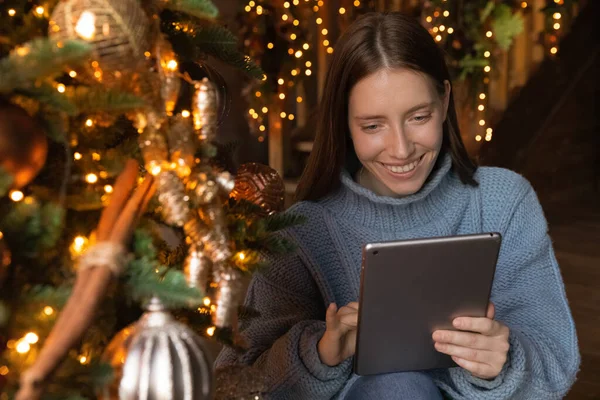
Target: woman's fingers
[
  {"x": 124, "y": 224},
  {"x": 122, "y": 190},
  {"x": 331, "y": 317}
]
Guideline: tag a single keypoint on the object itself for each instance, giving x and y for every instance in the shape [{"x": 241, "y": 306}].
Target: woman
[{"x": 388, "y": 163}]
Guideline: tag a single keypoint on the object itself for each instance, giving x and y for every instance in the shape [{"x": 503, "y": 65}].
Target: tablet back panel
[{"x": 410, "y": 289}]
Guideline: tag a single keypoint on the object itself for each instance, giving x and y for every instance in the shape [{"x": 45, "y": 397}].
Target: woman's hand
[
  {"x": 482, "y": 349},
  {"x": 115, "y": 227},
  {"x": 339, "y": 340}
]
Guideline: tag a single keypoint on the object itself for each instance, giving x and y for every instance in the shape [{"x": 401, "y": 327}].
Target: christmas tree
[{"x": 86, "y": 86}]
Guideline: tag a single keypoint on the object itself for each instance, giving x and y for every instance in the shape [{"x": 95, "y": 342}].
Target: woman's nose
[{"x": 400, "y": 145}]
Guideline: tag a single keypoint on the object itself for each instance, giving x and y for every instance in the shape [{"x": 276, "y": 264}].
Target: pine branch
[
  {"x": 47, "y": 94},
  {"x": 38, "y": 59},
  {"x": 6, "y": 181},
  {"x": 55, "y": 297},
  {"x": 96, "y": 99},
  {"x": 147, "y": 278},
  {"x": 55, "y": 123},
  {"x": 213, "y": 40},
  {"x": 203, "y": 9}
]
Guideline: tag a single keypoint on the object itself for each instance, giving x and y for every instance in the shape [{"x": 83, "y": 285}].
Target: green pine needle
[
  {"x": 39, "y": 59},
  {"x": 56, "y": 124},
  {"x": 277, "y": 222},
  {"x": 203, "y": 9},
  {"x": 55, "y": 297},
  {"x": 146, "y": 278},
  {"x": 97, "y": 99},
  {"x": 48, "y": 95},
  {"x": 6, "y": 181}
]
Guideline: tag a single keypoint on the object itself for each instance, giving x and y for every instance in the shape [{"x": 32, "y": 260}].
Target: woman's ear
[{"x": 446, "y": 99}]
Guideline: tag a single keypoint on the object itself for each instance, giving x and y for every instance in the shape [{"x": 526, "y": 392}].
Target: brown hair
[{"x": 373, "y": 42}]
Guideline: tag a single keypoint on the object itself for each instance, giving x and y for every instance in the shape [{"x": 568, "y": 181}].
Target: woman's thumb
[{"x": 331, "y": 316}]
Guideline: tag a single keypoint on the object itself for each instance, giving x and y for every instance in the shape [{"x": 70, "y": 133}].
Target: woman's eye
[
  {"x": 370, "y": 127},
  {"x": 422, "y": 118}
]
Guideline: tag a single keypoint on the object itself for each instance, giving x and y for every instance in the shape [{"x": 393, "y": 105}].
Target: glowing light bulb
[
  {"x": 281, "y": 96},
  {"x": 39, "y": 10},
  {"x": 299, "y": 99},
  {"x": 291, "y": 117},
  {"x": 82, "y": 359},
  {"x": 482, "y": 96},
  {"x": 325, "y": 42},
  {"x": 258, "y": 94},
  {"x": 31, "y": 338},
  {"x": 89, "y": 123},
  {"x": 324, "y": 31},
  {"x": 241, "y": 255},
  {"x": 554, "y": 50},
  {"x": 4, "y": 370},
  {"x": 12, "y": 12},
  {"x": 282, "y": 114},
  {"x": 487, "y": 54},
  {"x": 442, "y": 28},
  {"x": 319, "y": 21},
  {"x": 293, "y": 36},
  {"x": 489, "y": 131},
  {"x": 280, "y": 81},
  {"x": 524, "y": 4},
  {"x": 61, "y": 88},
  {"x": 48, "y": 310},
  {"x": 262, "y": 128},
  {"x": 556, "y": 26},
  {"x": 16, "y": 195},
  {"x": 185, "y": 114},
  {"x": 450, "y": 30},
  {"x": 556, "y": 15},
  {"x": 77, "y": 156},
  {"x": 172, "y": 65},
  {"x": 86, "y": 25},
  {"x": 265, "y": 110},
  {"x": 330, "y": 50},
  {"x": 481, "y": 107},
  {"x": 91, "y": 178},
  {"x": 478, "y": 138},
  {"x": 23, "y": 347},
  {"x": 305, "y": 46},
  {"x": 438, "y": 38},
  {"x": 481, "y": 122},
  {"x": 259, "y": 10},
  {"x": 342, "y": 11},
  {"x": 210, "y": 331},
  {"x": 489, "y": 34},
  {"x": 446, "y": 13},
  {"x": 298, "y": 54},
  {"x": 429, "y": 19},
  {"x": 308, "y": 64},
  {"x": 72, "y": 74},
  {"x": 206, "y": 301},
  {"x": 296, "y": 22},
  {"x": 356, "y": 3},
  {"x": 108, "y": 188},
  {"x": 284, "y": 17},
  {"x": 270, "y": 45},
  {"x": 308, "y": 72},
  {"x": 487, "y": 68}
]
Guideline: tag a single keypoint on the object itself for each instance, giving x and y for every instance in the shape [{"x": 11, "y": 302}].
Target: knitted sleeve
[
  {"x": 530, "y": 299},
  {"x": 283, "y": 339}
]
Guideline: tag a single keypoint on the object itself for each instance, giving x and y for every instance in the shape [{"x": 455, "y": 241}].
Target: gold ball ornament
[
  {"x": 121, "y": 35},
  {"x": 173, "y": 199},
  {"x": 261, "y": 185},
  {"x": 158, "y": 358},
  {"x": 182, "y": 145},
  {"x": 23, "y": 144}
]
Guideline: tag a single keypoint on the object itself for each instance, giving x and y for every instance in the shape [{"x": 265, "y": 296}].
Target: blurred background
[{"x": 526, "y": 81}]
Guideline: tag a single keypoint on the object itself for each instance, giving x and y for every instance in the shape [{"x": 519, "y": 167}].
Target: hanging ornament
[
  {"x": 261, "y": 185},
  {"x": 197, "y": 268},
  {"x": 23, "y": 144},
  {"x": 122, "y": 38},
  {"x": 202, "y": 188},
  {"x": 204, "y": 109},
  {"x": 170, "y": 83},
  {"x": 154, "y": 148},
  {"x": 182, "y": 145},
  {"x": 172, "y": 197},
  {"x": 228, "y": 297},
  {"x": 158, "y": 358},
  {"x": 5, "y": 259}
]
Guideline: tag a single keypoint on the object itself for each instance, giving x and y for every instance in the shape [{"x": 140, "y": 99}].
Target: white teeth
[{"x": 403, "y": 168}]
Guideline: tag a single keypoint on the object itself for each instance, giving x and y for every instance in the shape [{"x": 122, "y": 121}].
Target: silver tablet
[{"x": 411, "y": 288}]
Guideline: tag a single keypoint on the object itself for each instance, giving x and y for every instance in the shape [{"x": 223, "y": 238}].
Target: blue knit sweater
[{"x": 528, "y": 291}]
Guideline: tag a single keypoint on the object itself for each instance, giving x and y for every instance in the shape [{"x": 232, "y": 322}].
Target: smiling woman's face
[{"x": 396, "y": 121}]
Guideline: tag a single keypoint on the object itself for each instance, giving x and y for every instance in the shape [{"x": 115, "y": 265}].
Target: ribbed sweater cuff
[{"x": 309, "y": 354}]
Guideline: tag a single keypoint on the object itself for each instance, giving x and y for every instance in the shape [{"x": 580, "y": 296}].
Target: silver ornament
[
  {"x": 159, "y": 358},
  {"x": 197, "y": 268},
  {"x": 172, "y": 197},
  {"x": 204, "y": 109},
  {"x": 154, "y": 148},
  {"x": 182, "y": 145},
  {"x": 203, "y": 188},
  {"x": 227, "y": 298}
]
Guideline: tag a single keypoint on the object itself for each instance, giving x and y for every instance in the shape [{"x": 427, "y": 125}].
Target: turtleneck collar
[{"x": 357, "y": 204}]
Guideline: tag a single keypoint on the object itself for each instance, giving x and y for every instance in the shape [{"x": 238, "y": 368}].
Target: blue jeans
[{"x": 397, "y": 386}]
